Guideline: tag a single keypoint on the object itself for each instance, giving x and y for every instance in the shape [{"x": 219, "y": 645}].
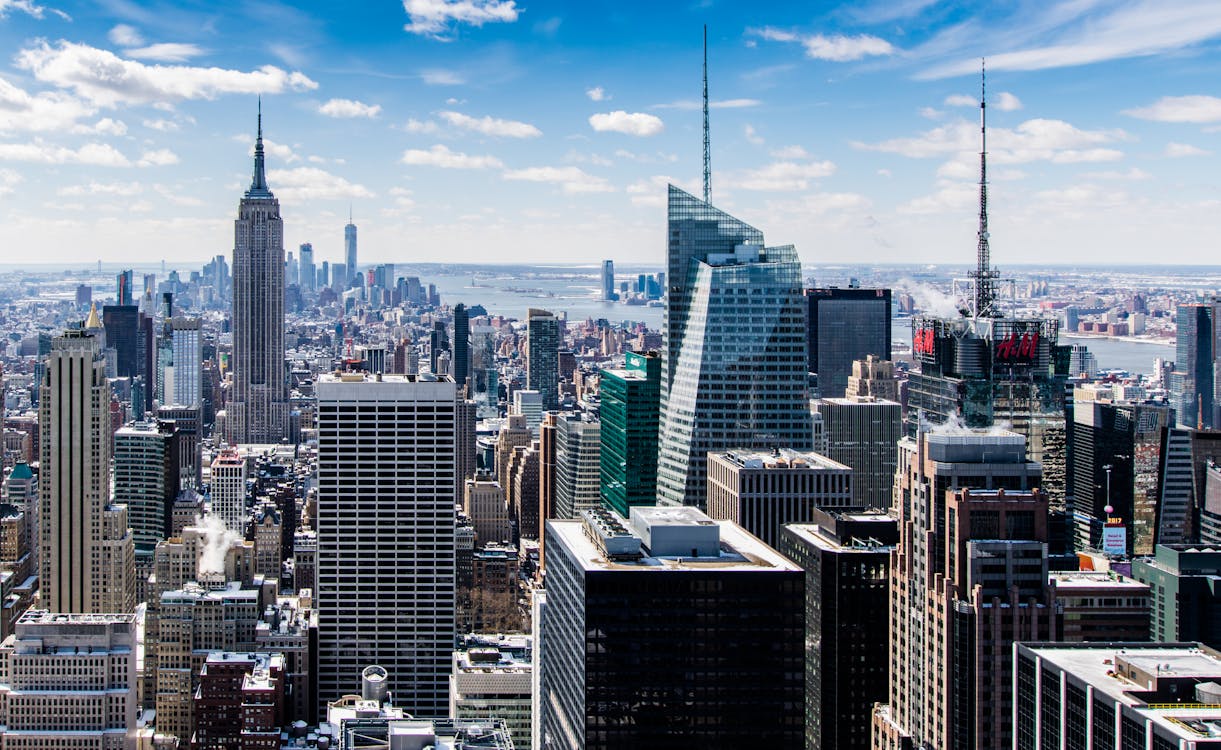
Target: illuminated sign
[
  {"x": 1017, "y": 348},
  {"x": 924, "y": 341}
]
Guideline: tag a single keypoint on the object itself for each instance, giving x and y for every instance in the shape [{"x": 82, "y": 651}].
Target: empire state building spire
[{"x": 258, "y": 185}]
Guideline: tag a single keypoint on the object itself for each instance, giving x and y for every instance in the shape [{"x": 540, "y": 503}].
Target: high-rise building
[
  {"x": 123, "y": 295},
  {"x": 846, "y": 558},
  {"x": 257, "y": 412},
  {"x": 307, "y": 273},
  {"x": 485, "y": 506},
  {"x": 734, "y": 365},
  {"x": 228, "y": 488},
  {"x": 578, "y": 462},
  {"x": 630, "y": 410},
  {"x": 608, "y": 281},
  {"x": 462, "y": 346},
  {"x": 1102, "y": 606},
  {"x": 668, "y": 630},
  {"x": 349, "y": 256},
  {"x": 845, "y": 325},
  {"x": 1192, "y": 381},
  {"x": 874, "y": 377},
  {"x": 86, "y": 551},
  {"x": 1186, "y": 603},
  {"x": 968, "y": 578},
  {"x": 188, "y": 363},
  {"x": 240, "y": 702},
  {"x": 386, "y": 588},
  {"x": 543, "y": 356},
  {"x": 529, "y": 404},
  {"x": 762, "y": 491},
  {"x": 69, "y": 681},
  {"x": 863, "y": 432},
  {"x": 522, "y": 491},
  {"x": 146, "y": 480},
  {"x": 122, "y": 324},
  {"x": 491, "y": 677}
]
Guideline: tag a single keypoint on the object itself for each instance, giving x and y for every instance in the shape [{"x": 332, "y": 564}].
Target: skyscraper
[
  {"x": 577, "y": 464},
  {"x": 862, "y": 431},
  {"x": 228, "y": 487},
  {"x": 187, "y": 350},
  {"x": 349, "y": 254},
  {"x": 386, "y": 570},
  {"x": 734, "y": 366},
  {"x": 307, "y": 273},
  {"x": 123, "y": 288},
  {"x": 631, "y": 401},
  {"x": 86, "y": 551},
  {"x": 258, "y": 409},
  {"x": 462, "y": 345},
  {"x": 1191, "y": 382},
  {"x": 608, "y": 281},
  {"x": 543, "y": 361},
  {"x": 845, "y": 325}
]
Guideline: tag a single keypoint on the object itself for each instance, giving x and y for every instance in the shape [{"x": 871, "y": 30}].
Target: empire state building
[{"x": 257, "y": 411}]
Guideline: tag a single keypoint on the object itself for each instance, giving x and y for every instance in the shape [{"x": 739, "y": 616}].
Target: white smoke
[
  {"x": 929, "y": 299},
  {"x": 217, "y": 539},
  {"x": 955, "y": 426}
]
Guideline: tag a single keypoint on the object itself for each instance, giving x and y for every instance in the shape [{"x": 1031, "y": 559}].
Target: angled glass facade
[{"x": 630, "y": 405}]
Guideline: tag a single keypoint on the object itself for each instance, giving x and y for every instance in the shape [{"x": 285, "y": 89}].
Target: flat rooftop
[
  {"x": 1089, "y": 579},
  {"x": 782, "y": 458}
]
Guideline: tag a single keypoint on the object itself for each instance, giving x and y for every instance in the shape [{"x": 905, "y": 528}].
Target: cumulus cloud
[
  {"x": 8, "y": 181},
  {"x": 427, "y": 127},
  {"x": 790, "y": 152},
  {"x": 491, "y": 125},
  {"x": 440, "y": 156},
  {"x": 435, "y": 18},
  {"x": 1033, "y": 140},
  {"x": 166, "y": 52},
  {"x": 160, "y": 158},
  {"x": 751, "y": 135},
  {"x": 834, "y": 48},
  {"x": 311, "y": 183},
  {"x": 124, "y": 189},
  {"x": 274, "y": 149},
  {"x": 125, "y": 36},
  {"x": 103, "y": 78},
  {"x": 39, "y": 152},
  {"x": 597, "y": 94},
  {"x": 960, "y": 100},
  {"x": 1179, "y": 150},
  {"x": 349, "y": 108},
  {"x": 630, "y": 123},
  {"x": 782, "y": 175},
  {"x": 653, "y": 191},
  {"x": 1195, "y": 109},
  {"x": 165, "y": 126},
  {"x": 43, "y": 112},
  {"x": 570, "y": 179}
]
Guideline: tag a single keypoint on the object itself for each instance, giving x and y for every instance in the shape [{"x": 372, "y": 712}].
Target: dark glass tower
[
  {"x": 462, "y": 344},
  {"x": 845, "y": 325},
  {"x": 1191, "y": 383},
  {"x": 543, "y": 363},
  {"x": 631, "y": 403}
]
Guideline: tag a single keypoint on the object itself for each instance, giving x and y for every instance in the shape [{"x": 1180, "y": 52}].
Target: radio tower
[
  {"x": 707, "y": 142},
  {"x": 985, "y": 276}
]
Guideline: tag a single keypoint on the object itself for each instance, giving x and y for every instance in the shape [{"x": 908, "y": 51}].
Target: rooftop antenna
[
  {"x": 985, "y": 276},
  {"x": 707, "y": 142}
]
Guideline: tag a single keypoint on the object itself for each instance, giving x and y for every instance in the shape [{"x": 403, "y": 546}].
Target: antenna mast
[
  {"x": 707, "y": 142},
  {"x": 985, "y": 276}
]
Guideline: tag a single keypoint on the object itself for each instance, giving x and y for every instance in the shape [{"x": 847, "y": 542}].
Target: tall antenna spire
[
  {"x": 258, "y": 184},
  {"x": 985, "y": 276},
  {"x": 707, "y": 142}
]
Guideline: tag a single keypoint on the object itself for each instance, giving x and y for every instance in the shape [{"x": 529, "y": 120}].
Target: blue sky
[{"x": 523, "y": 130}]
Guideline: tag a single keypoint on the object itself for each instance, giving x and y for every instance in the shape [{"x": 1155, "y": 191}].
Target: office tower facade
[
  {"x": 543, "y": 356},
  {"x": 257, "y": 412},
  {"x": 492, "y": 677},
  {"x": 228, "y": 489},
  {"x": 402, "y": 570},
  {"x": 86, "y": 552},
  {"x": 188, "y": 363},
  {"x": 69, "y": 681},
  {"x": 953, "y": 617},
  {"x": 349, "y": 256},
  {"x": 846, "y": 559},
  {"x": 122, "y": 284},
  {"x": 625, "y": 626},
  {"x": 630, "y": 412},
  {"x": 1102, "y": 606},
  {"x": 146, "y": 480},
  {"x": 863, "y": 432},
  {"x": 734, "y": 365},
  {"x": 308, "y": 274},
  {"x": 485, "y": 505},
  {"x": 873, "y": 377},
  {"x": 467, "y": 417},
  {"x": 608, "y": 281},
  {"x": 578, "y": 463},
  {"x": 122, "y": 324},
  {"x": 844, "y": 325},
  {"x": 764, "y": 491},
  {"x": 1116, "y": 694},
  {"x": 522, "y": 491},
  {"x": 462, "y": 346},
  {"x": 1186, "y": 603},
  {"x": 1192, "y": 380},
  {"x": 529, "y": 404},
  {"x": 513, "y": 432}
]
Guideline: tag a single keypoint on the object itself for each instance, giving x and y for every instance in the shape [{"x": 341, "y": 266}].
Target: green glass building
[{"x": 631, "y": 401}]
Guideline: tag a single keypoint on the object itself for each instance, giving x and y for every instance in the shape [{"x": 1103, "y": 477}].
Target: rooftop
[
  {"x": 1091, "y": 579},
  {"x": 781, "y": 458}
]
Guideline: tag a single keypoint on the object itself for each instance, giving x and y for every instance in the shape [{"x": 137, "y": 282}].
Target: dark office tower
[
  {"x": 123, "y": 296},
  {"x": 543, "y": 356},
  {"x": 122, "y": 324},
  {"x": 349, "y": 254},
  {"x": 1191, "y": 383},
  {"x": 1119, "y": 448},
  {"x": 968, "y": 578},
  {"x": 462, "y": 345},
  {"x": 307, "y": 273},
  {"x": 257, "y": 411},
  {"x": 438, "y": 342},
  {"x": 1186, "y": 602},
  {"x": 630, "y": 407},
  {"x": 844, "y": 325},
  {"x": 146, "y": 356},
  {"x": 862, "y": 431},
  {"x": 846, "y": 557},
  {"x": 608, "y": 281},
  {"x": 324, "y": 274},
  {"x": 146, "y": 480},
  {"x": 733, "y": 372},
  {"x": 637, "y": 650}
]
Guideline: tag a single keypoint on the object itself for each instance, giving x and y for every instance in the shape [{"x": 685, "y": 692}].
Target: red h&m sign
[
  {"x": 924, "y": 341},
  {"x": 1018, "y": 348}
]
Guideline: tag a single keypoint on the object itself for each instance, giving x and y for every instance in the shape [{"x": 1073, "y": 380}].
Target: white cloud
[
  {"x": 790, "y": 152},
  {"x": 1113, "y": 174},
  {"x": 597, "y": 94},
  {"x": 165, "y": 126},
  {"x": 29, "y": 8},
  {"x": 103, "y": 78},
  {"x": 1033, "y": 140},
  {"x": 570, "y": 179},
  {"x": 440, "y": 156},
  {"x": 160, "y": 158},
  {"x": 659, "y": 158},
  {"x": 441, "y": 77},
  {"x": 960, "y": 100},
  {"x": 125, "y": 36},
  {"x": 93, "y": 154},
  {"x": 425, "y": 126},
  {"x": 629, "y": 123},
  {"x": 276, "y": 150},
  {"x": 929, "y": 113},
  {"x": 1007, "y": 102},
  {"x": 751, "y": 136},
  {"x": 349, "y": 108},
  {"x": 1178, "y": 150},
  {"x": 104, "y": 126},
  {"x": 951, "y": 199},
  {"x": 435, "y": 17},
  {"x": 491, "y": 125},
  {"x": 782, "y": 175},
  {"x": 1195, "y": 109},
  {"x": 177, "y": 196},
  {"x": 311, "y": 183},
  {"x": 46, "y": 111},
  {"x": 835, "y": 48},
  {"x": 123, "y": 189},
  {"x": 8, "y": 181},
  {"x": 166, "y": 52}
]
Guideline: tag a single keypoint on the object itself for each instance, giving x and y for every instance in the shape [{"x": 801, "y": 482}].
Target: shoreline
[{"x": 1122, "y": 339}]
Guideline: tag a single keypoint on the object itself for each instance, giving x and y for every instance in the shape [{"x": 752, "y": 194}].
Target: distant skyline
[{"x": 496, "y": 131}]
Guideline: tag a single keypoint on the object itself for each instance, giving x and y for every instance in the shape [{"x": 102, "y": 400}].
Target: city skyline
[{"x": 491, "y": 124}]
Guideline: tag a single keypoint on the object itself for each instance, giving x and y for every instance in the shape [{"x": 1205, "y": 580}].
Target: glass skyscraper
[
  {"x": 734, "y": 365},
  {"x": 1191, "y": 383},
  {"x": 543, "y": 360},
  {"x": 629, "y": 410},
  {"x": 845, "y": 325}
]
